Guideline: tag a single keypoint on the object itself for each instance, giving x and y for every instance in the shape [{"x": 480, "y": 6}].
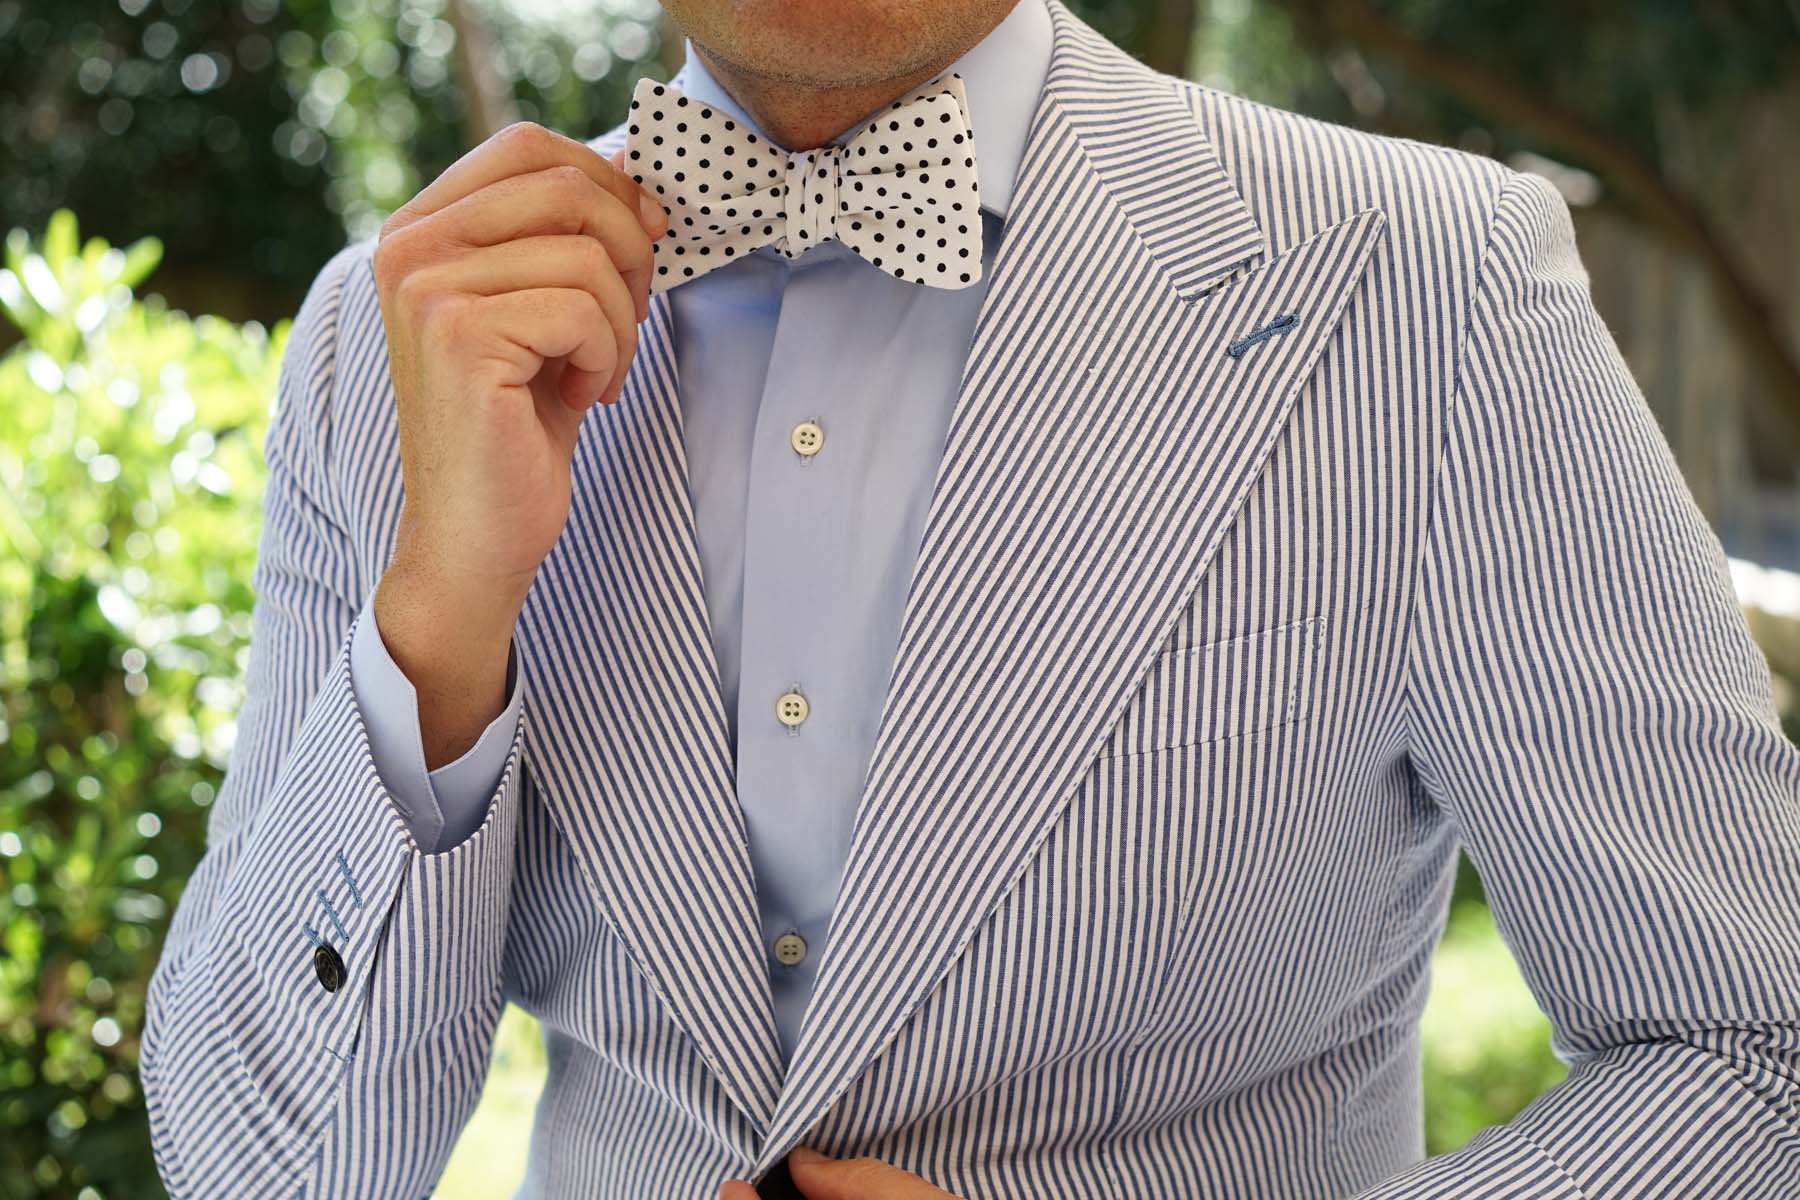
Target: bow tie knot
[
  {"x": 810, "y": 197},
  {"x": 901, "y": 191}
]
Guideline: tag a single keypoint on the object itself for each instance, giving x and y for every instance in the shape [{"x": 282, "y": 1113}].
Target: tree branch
[
  {"x": 1169, "y": 36},
  {"x": 1658, "y": 200},
  {"x": 489, "y": 99}
]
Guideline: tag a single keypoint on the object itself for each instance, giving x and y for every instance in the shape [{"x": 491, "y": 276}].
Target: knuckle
[
  {"x": 389, "y": 264},
  {"x": 444, "y": 320},
  {"x": 412, "y": 293},
  {"x": 568, "y": 177},
  {"x": 594, "y": 259},
  {"x": 522, "y": 136},
  {"x": 400, "y": 220}
]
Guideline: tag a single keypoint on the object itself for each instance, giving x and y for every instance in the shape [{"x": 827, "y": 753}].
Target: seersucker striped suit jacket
[{"x": 1297, "y": 522}]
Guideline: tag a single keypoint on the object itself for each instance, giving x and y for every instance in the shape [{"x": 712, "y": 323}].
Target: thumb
[
  {"x": 821, "y": 1178},
  {"x": 651, "y": 213}
]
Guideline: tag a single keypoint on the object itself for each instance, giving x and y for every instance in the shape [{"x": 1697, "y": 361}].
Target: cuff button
[{"x": 328, "y": 967}]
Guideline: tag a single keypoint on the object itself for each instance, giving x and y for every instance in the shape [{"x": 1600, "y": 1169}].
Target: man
[{"x": 988, "y": 699}]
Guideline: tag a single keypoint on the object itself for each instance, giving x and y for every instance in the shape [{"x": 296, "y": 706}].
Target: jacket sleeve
[
  {"x": 1585, "y": 700},
  {"x": 260, "y": 1080}
]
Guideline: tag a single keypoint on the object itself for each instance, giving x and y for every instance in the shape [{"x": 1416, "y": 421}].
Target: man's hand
[
  {"x": 510, "y": 291},
  {"x": 821, "y": 1178}
]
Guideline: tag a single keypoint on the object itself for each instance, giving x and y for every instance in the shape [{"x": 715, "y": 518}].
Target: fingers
[
  {"x": 548, "y": 261},
  {"x": 517, "y": 331},
  {"x": 655, "y": 229},
  {"x": 519, "y": 149},
  {"x": 528, "y": 180},
  {"x": 557, "y": 201},
  {"x": 821, "y": 1178},
  {"x": 736, "y": 1189}
]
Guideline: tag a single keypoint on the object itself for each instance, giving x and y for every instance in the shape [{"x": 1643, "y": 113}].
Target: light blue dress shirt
[{"x": 805, "y": 558}]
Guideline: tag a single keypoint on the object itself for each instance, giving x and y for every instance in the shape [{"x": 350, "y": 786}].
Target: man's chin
[{"x": 813, "y": 44}]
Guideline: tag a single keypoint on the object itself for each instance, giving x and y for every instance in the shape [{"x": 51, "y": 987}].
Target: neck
[{"x": 798, "y": 117}]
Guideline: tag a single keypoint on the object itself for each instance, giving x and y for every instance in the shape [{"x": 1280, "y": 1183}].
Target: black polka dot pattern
[{"x": 887, "y": 192}]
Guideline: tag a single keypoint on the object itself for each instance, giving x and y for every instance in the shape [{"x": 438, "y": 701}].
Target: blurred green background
[{"x": 161, "y": 158}]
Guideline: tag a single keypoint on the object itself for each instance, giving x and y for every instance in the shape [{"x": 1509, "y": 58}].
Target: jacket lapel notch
[
  {"x": 625, "y": 728},
  {"x": 1151, "y": 155}
]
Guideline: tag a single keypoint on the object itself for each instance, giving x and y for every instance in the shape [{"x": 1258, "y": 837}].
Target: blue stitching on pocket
[
  {"x": 343, "y": 1058},
  {"x": 332, "y": 913},
  {"x": 355, "y": 893},
  {"x": 1280, "y": 324},
  {"x": 312, "y": 935}
]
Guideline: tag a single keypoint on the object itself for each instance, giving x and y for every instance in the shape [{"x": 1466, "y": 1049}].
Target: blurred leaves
[
  {"x": 1486, "y": 1042},
  {"x": 249, "y": 135},
  {"x": 170, "y": 117},
  {"x": 130, "y": 476},
  {"x": 1608, "y": 100},
  {"x": 1623, "y": 67}
]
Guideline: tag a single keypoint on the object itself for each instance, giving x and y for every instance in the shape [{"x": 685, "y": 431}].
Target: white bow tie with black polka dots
[{"x": 900, "y": 192}]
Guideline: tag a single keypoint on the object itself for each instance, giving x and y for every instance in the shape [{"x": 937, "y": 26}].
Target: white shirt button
[
  {"x": 807, "y": 438},
  {"x": 791, "y": 708},
  {"x": 790, "y": 949}
]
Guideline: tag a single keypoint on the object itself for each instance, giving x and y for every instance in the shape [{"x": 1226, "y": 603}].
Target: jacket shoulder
[
  {"x": 341, "y": 323},
  {"x": 1299, "y": 174}
]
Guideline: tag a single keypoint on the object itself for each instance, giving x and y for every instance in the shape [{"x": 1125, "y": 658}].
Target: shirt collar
[{"x": 1002, "y": 75}]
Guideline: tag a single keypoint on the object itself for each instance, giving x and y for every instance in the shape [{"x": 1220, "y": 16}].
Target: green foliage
[
  {"x": 1625, "y": 69},
  {"x": 248, "y": 135},
  {"x": 130, "y": 476},
  {"x": 177, "y": 119},
  {"x": 385, "y": 94},
  {"x": 489, "y": 1160},
  {"x": 1486, "y": 1043}
]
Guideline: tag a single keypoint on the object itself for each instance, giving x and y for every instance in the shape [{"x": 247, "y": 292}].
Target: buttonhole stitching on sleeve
[
  {"x": 355, "y": 892},
  {"x": 331, "y": 913}
]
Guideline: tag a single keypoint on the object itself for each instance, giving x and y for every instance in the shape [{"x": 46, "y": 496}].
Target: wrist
[
  {"x": 435, "y": 613},
  {"x": 453, "y": 648},
  {"x": 425, "y": 575}
]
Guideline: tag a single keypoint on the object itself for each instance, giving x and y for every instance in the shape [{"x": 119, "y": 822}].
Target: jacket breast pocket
[{"x": 1225, "y": 689}]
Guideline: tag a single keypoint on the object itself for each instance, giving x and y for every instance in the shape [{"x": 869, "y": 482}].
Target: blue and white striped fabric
[{"x": 1298, "y": 519}]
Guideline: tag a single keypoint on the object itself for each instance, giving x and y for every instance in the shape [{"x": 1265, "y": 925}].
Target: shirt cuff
[{"x": 444, "y": 806}]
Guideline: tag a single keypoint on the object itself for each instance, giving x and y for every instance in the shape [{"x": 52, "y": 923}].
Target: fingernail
[
  {"x": 654, "y": 216},
  {"x": 801, "y": 1154}
]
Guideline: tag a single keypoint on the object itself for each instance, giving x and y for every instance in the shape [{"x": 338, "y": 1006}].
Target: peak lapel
[
  {"x": 1104, "y": 438},
  {"x": 625, "y": 732}
]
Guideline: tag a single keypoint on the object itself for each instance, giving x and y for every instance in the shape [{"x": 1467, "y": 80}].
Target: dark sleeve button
[{"x": 328, "y": 967}]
